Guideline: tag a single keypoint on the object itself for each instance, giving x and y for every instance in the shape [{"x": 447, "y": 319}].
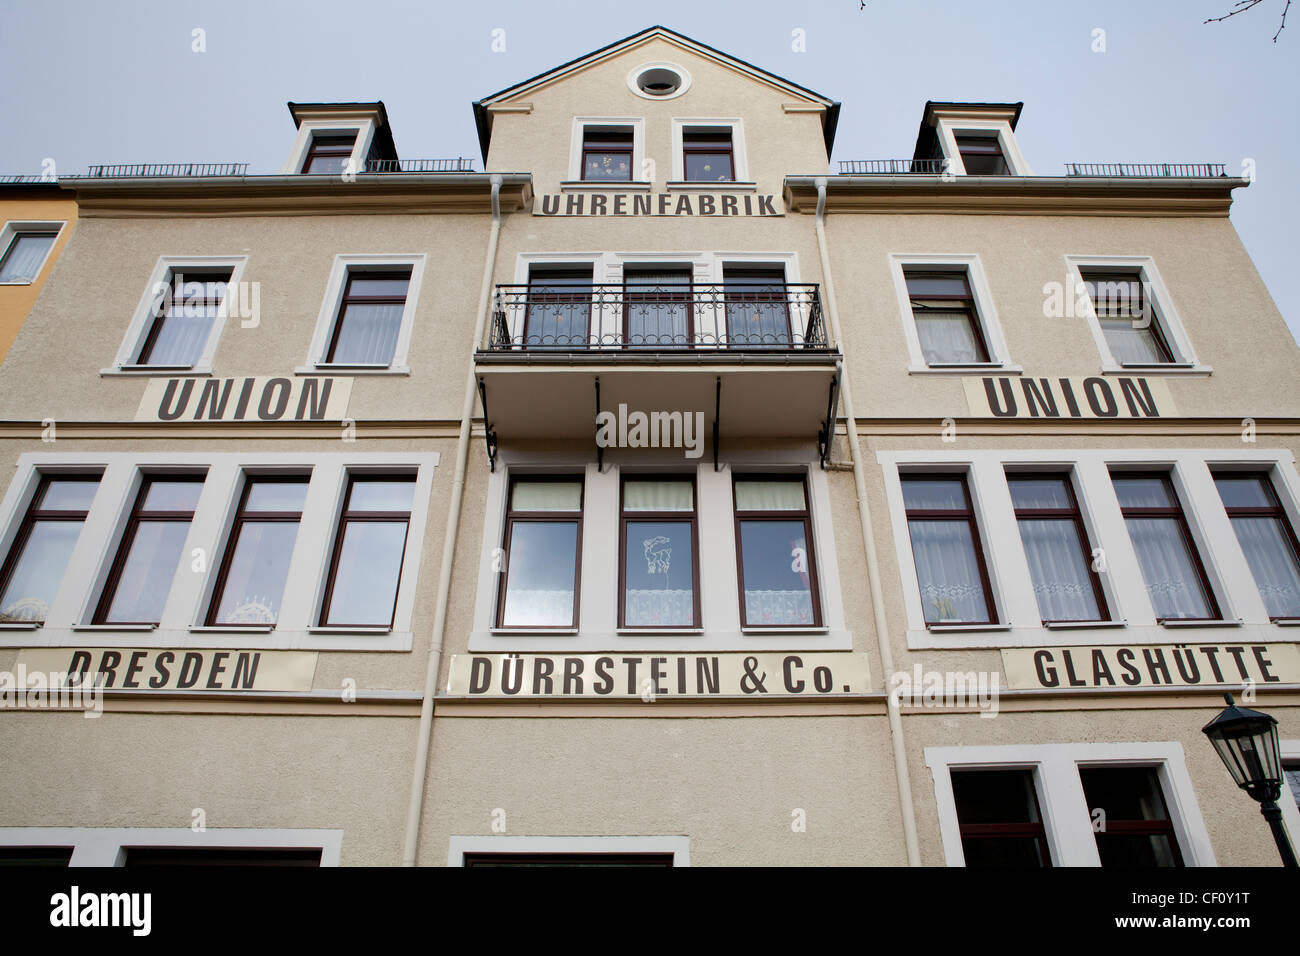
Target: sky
[{"x": 121, "y": 81}]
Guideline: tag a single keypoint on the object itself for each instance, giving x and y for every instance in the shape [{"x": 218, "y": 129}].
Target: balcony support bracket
[
  {"x": 489, "y": 434},
  {"x": 717, "y": 415},
  {"x": 826, "y": 434}
]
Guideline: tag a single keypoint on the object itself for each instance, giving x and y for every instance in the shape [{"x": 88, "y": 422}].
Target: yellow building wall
[{"x": 26, "y": 206}]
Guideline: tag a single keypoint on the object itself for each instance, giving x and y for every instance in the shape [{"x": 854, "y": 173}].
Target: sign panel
[
  {"x": 660, "y": 204},
  {"x": 170, "y": 669},
  {"x": 648, "y": 676},
  {"x": 1180, "y": 665},
  {"x": 268, "y": 399},
  {"x": 1120, "y": 396}
]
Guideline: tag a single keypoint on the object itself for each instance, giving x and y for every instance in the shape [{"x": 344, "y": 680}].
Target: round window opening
[{"x": 659, "y": 81}]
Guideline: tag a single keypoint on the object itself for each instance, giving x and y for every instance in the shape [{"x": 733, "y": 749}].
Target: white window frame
[
  {"x": 1132, "y": 617},
  {"x": 1066, "y": 817},
  {"x": 15, "y": 227},
  {"x": 987, "y": 313},
  {"x": 636, "y": 72},
  {"x": 580, "y": 124},
  {"x": 183, "y": 619},
  {"x": 107, "y": 846},
  {"x": 741, "y": 180},
  {"x": 720, "y": 629},
  {"x": 678, "y": 846},
  {"x": 332, "y": 300},
  {"x": 364, "y": 126},
  {"x": 948, "y": 126},
  {"x": 143, "y": 317},
  {"x": 1171, "y": 325},
  {"x": 1290, "y": 750}
]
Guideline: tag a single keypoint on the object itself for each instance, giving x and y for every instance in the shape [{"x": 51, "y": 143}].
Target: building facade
[{"x": 655, "y": 495}]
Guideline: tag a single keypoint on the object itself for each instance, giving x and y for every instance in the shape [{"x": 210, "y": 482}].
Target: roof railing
[
  {"x": 1148, "y": 170},
  {"x": 890, "y": 166},
  {"x": 459, "y": 164},
  {"x": 161, "y": 170}
]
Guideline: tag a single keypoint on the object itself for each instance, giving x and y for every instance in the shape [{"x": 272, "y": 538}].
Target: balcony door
[
  {"x": 758, "y": 315},
  {"x": 657, "y": 309},
  {"x": 558, "y": 312}
]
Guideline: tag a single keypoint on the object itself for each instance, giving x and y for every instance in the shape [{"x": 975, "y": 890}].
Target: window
[
  {"x": 569, "y": 859},
  {"x": 34, "y": 569},
  {"x": 1266, "y": 538},
  {"x": 607, "y": 154},
  {"x": 775, "y": 557},
  {"x": 368, "y": 553},
  {"x": 657, "y": 307},
  {"x": 946, "y": 549},
  {"x": 543, "y": 550},
  {"x": 1127, "y": 317},
  {"x": 186, "y": 307},
  {"x": 658, "y": 571},
  {"x": 707, "y": 155},
  {"x": 1056, "y": 547},
  {"x": 250, "y": 585},
  {"x": 369, "y": 318},
  {"x": 758, "y": 314},
  {"x": 149, "y": 856},
  {"x": 25, "y": 254},
  {"x": 558, "y": 314},
  {"x": 947, "y": 323},
  {"x": 43, "y": 856},
  {"x": 1175, "y": 578},
  {"x": 1131, "y": 821},
  {"x": 1000, "y": 821},
  {"x": 329, "y": 154},
  {"x": 981, "y": 153},
  {"x": 151, "y": 550}
]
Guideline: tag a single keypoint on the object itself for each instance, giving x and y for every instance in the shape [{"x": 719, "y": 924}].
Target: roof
[
  {"x": 483, "y": 121},
  {"x": 383, "y": 131},
  {"x": 927, "y": 144}
]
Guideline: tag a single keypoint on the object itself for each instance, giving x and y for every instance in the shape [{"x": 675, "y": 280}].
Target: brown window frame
[
  {"x": 601, "y": 141},
  {"x": 558, "y": 517},
  {"x": 1094, "y": 277},
  {"x": 980, "y": 143},
  {"x": 341, "y": 531},
  {"x": 136, "y": 518},
  {"x": 738, "y": 281},
  {"x": 1275, "y": 510},
  {"x": 1075, "y": 514},
  {"x": 1178, "y": 512},
  {"x": 348, "y": 299},
  {"x": 994, "y": 831},
  {"x": 960, "y": 303},
  {"x": 537, "y": 279},
  {"x": 326, "y": 145},
  {"x": 158, "y": 317},
  {"x": 940, "y": 514},
  {"x": 17, "y": 237},
  {"x": 683, "y": 295},
  {"x": 709, "y": 140},
  {"x": 625, "y": 517},
  {"x": 1162, "y": 827},
  {"x": 567, "y": 859},
  {"x": 242, "y": 515},
  {"x": 33, "y": 515},
  {"x": 810, "y": 546}
]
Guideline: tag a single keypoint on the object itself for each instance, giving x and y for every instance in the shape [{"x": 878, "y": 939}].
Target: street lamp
[{"x": 1246, "y": 741}]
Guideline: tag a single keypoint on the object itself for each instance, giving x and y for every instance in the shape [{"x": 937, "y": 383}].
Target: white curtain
[
  {"x": 538, "y": 608},
  {"x": 778, "y": 608},
  {"x": 546, "y": 496},
  {"x": 1061, "y": 576},
  {"x": 659, "y": 608},
  {"x": 947, "y": 337},
  {"x": 1132, "y": 346},
  {"x": 1272, "y": 561},
  {"x": 183, "y": 334},
  {"x": 658, "y": 308},
  {"x": 24, "y": 258},
  {"x": 368, "y": 335},
  {"x": 760, "y": 495},
  {"x": 657, "y": 496},
  {"x": 948, "y": 571},
  {"x": 1168, "y": 569}
]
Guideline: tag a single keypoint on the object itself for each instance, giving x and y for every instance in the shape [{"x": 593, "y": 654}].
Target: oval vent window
[{"x": 659, "y": 80}]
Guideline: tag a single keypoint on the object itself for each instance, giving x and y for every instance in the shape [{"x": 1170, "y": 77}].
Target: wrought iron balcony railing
[
  {"x": 149, "y": 170},
  {"x": 890, "y": 166},
  {"x": 1187, "y": 170},
  {"x": 457, "y": 165},
  {"x": 745, "y": 316}
]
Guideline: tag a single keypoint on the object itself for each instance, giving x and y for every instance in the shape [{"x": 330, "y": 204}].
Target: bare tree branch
[{"x": 1241, "y": 6}]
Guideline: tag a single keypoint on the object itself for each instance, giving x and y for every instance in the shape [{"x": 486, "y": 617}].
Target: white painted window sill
[
  {"x": 794, "y": 630},
  {"x": 679, "y": 185},
  {"x": 352, "y": 370},
  {"x": 527, "y": 631},
  {"x": 232, "y": 629},
  {"x": 1175, "y": 368},
  {"x": 1171, "y": 622},
  {"x": 20, "y": 625},
  {"x": 943, "y": 628},
  {"x": 582, "y": 185},
  {"x": 1081, "y": 625},
  {"x": 136, "y": 371},
  {"x": 657, "y": 631},
  {"x": 358, "y": 629},
  {"x": 18, "y": 281},
  {"x": 1287, "y": 621},
  {"x": 965, "y": 369},
  {"x": 139, "y": 628}
]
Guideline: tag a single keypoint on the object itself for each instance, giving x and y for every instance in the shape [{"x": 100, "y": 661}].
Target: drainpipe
[
  {"x": 425, "y": 737},
  {"x": 869, "y": 544}
]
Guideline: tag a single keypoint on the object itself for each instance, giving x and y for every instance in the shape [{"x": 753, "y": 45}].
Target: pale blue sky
[{"x": 117, "y": 82}]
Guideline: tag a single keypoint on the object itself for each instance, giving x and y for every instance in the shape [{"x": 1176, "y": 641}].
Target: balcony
[{"x": 753, "y": 355}]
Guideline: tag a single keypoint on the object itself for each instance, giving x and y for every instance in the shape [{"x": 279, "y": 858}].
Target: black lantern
[{"x": 1246, "y": 741}]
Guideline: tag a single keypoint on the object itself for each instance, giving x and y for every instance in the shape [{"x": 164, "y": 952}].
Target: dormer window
[
  {"x": 981, "y": 153},
  {"x": 329, "y": 154},
  {"x": 607, "y": 154}
]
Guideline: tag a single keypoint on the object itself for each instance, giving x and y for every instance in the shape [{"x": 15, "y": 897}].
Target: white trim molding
[
  {"x": 45, "y": 227},
  {"x": 678, "y": 846},
  {"x": 363, "y": 124},
  {"x": 580, "y": 124},
  {"x": 985, "y": 309},
  {"x": 946, "y": 127},
  {"x": 739, "y": 154},
  {"x": 635, "y": 73},
  {"x": 142, "y": 318},
  {"x": 1132, "y": 617},
  {"x": 346, "y": 265},
  {"x": 1166, "y": 314},
  {"x": 1067, "y": 819},
  {"x": 108, "y": 846}
]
